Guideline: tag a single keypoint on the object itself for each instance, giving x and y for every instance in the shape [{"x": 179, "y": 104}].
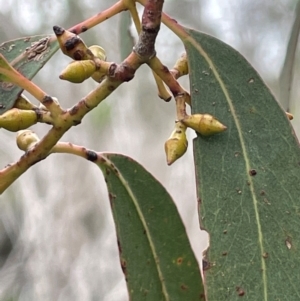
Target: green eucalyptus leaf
[
  {"x": 27, "y": 55},
  {"x": 155, "y": 253},
  {"x": 247, "y": 178}
]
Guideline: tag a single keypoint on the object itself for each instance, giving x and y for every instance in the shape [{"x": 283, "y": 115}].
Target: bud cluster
[
  {"x": 87, "y": 60},
  {"x": 204, "y": 124}
]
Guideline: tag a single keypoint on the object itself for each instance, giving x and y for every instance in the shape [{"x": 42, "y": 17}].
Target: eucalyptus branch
[
  {"x": 151, "y": 20},
  {"x": 10, "y": 74},
  {"x": 164, "y": 73},
  {"x": 180, "y": 106},
  {"x": 99, "y": 18},
  {"x": 70, "y": 148},
  {"x": 180, "y": 94},
  {"x": 163, "y": 93},
  {"x": 171, "y": 23},
  {"x": 143, "y": 51},
  {"x": 130, "y": 5},
  {"x": 80, "y": 151}
]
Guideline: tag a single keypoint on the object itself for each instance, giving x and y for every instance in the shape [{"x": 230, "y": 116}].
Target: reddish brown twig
[{"x": 118, "y": 74}]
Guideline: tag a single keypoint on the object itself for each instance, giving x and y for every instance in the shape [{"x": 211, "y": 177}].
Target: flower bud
[
  {"x": 204, "y": 124},
  {"x": 78, "y": 71},
  {"x": 72, "y": 45},
  {"x": 98, "y": 52},
  {"x": 23, "y": 103},
  {"x": 26, "y": 139},
  {"x": 176, "y": 145},
  {"x": 181, "y": 65},
  {"x": 15, "y": 119}
]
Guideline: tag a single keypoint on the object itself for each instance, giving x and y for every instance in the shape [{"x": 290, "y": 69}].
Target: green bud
[
  {"x": 23, "y": 103},
  {"x": 26, "y": 139},
  {"x": 15, "y": 119},
  {"x": 204, "y": 124},
  {"x": 177, "y": 144},
  {"x": 98, "y": 52},
  {"x": 78, "y": 71}
]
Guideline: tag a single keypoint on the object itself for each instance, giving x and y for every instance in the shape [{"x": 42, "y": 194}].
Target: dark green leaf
[
  {"x": 247, "y": 177},
  {"x": 27, "y": 55},
  {"x": 155, "y": 253}
]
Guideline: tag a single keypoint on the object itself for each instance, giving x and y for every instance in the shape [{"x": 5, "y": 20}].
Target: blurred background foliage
[{"x": 57, "y": 238}]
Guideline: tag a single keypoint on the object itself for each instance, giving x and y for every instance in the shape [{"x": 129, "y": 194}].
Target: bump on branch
[{"x": 151, "y": 19}]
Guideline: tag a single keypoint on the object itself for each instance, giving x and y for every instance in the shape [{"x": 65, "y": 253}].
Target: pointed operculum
[
  {"x": 176, "y": 145},
  {"x": 204, "y": 124},
  {"x": 72, "y": 45},
  {"x": 78, "y": 71},
  {"x": 63, "y": 36}
]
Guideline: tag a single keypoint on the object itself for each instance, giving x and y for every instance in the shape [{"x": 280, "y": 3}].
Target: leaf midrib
[
  {"x": 118, "y": 174},
  {"x": 189, "y": 39}
]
